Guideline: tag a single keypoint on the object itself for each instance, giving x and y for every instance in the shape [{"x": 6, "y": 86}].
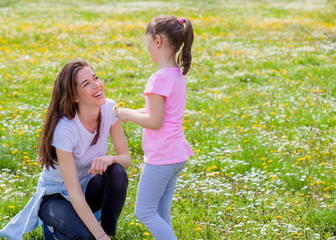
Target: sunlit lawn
[{"x": 260, "y": 112}]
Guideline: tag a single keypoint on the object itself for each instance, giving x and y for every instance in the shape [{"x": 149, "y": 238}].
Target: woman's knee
[
  {"x": 115, "y": 169},
  {"x": 116, "y": 175}
]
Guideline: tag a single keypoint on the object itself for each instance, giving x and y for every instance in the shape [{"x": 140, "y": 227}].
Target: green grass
[{"x": 260, "y": 112}]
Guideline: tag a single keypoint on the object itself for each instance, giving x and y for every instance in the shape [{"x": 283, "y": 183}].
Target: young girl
[
  {"x": 78, "y": 178},
  {"x": 165, "y": 147}
]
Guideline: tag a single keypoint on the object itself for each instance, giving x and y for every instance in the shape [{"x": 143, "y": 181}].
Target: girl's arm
[
  {"x": 71, "y": 181},
  {"x": 100, "y": 164},
  {"x": 152, "y": 120},
  {"x": 141, "y": 110}
]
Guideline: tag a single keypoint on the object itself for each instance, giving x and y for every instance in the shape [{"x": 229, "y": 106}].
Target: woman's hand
[{"x": 100, "y": 164}]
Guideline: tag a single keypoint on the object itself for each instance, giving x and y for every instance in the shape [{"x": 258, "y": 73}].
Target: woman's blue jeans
[{"x": 106, "y": 192}]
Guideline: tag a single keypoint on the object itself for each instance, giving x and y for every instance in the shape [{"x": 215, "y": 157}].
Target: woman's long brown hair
[{"x": 61, "y": 104}]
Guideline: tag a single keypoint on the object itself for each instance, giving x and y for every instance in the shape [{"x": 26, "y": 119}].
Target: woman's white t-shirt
[{"x": 72, "y": 136}]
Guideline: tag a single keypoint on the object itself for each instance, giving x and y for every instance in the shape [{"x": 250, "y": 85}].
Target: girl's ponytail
[
  {"x": 179, "y": 32},
  {"x": 184, "y": 57}
]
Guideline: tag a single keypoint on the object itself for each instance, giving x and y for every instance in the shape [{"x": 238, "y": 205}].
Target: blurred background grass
[{"x": 260, "y": 112}]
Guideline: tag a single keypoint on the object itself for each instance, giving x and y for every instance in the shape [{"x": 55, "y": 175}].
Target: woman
[{"x": 78, "y": 177}]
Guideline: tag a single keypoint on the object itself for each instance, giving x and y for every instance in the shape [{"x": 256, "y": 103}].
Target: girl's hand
[
  {"x": 100, "y": 164},
  {"x": 122, "y": 114}
]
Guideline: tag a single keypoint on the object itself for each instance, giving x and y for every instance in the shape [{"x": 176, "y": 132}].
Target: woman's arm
[
  {"x": 100, "y": 164},
  {"x": 120, "y": 145},
  {"x": 71, "y": 181},
  {"x": 152, "y": 120}
]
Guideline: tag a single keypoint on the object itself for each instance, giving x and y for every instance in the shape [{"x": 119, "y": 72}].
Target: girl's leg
[
  {"x": 108, "y": 193},
  {"x": 152, "y": 185},
  {"x": 164, "y": 207},
  {"x": 57, "y": 212}
]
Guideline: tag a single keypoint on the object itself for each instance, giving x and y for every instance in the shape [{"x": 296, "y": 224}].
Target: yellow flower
[{"x": 146, "y": 233}]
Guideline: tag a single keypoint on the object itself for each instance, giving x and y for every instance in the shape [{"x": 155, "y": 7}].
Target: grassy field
[{"x": 260, "y": 112}]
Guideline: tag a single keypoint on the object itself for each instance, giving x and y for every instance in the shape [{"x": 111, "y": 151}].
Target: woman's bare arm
[{"x": 71, "y": 181}]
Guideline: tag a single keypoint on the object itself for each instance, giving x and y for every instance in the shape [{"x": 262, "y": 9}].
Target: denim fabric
[
  {"x": 155, "y": 193},
  {"x": 106, "y": 192},
  {"x": 58, "y": 212},
  {"x": 27, "y": 219}
]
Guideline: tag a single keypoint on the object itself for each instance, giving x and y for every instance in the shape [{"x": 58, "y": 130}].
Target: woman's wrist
[
  {"x": 101, "y": 236},
  {"x": 112, "y": 159}
]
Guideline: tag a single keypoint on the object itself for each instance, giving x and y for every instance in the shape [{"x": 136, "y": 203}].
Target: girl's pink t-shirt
[{"x": 168, "y": 144}]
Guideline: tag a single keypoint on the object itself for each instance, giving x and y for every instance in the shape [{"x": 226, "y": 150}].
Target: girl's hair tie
[{"x": 180, "y": 20}]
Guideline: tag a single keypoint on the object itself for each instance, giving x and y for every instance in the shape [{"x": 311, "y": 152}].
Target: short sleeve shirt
[
  {"x": 168, "y": 144},
  {"x": 72, "y": 136}
]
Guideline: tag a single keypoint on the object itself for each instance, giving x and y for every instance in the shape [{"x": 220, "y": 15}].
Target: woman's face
[{"x": 89, "y": 90}]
